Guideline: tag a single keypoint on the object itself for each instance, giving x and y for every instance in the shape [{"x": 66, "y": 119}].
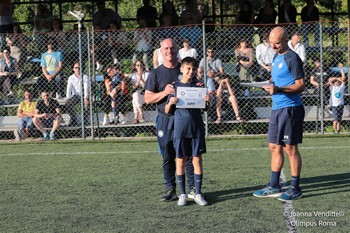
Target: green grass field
[{"x": 116, "y": 187}]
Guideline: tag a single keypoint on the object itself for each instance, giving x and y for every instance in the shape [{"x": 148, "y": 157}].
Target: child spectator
[
  {"x": 336, "y": 100},
  {"x": 189, "y": 135},
  {"x": 117, "y": 89}
]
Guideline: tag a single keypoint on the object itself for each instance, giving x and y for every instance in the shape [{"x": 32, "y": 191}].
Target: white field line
[
  {"x": 138, "y": 152},
  {"x": 288, "y": 211}
]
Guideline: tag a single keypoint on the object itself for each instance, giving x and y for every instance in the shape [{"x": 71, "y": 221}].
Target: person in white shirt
[
  {"x": 187, "y": 51},
  {"x": 264, "y": 57},
  {"x": 74, "y": 93},
  {"x": 295, "y": 45}
]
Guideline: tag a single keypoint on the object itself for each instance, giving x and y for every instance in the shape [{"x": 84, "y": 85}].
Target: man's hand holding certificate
[{"x": 191, "y": 97}]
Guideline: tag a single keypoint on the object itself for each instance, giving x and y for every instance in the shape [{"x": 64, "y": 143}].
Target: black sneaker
[{"x": 169, "y": 195}]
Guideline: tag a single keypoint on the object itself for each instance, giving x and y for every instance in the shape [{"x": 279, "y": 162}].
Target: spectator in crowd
[
  {"x": 138, "y": 80},
  {"x": 147, "y": 13},
  {"x": 42, "y": 18},
  {"x": 104, "y": 16},
  {"x": 8, "y": 72},
  {"x": 106, "y": 100},
  {"x": 189, "y": 135},
  {"x": 18, "y": 43},
  {"x": 101, "y": 50},
  {"x": 315, "y": 78},
  {"x": 285, "y": 129},
  {"x": 58, "y": 35},
  {"x": 118, "y": 42},
  {"x": 117, "y": 89},
  {"x": 318, "y": 77},
  {"x": 187, "y": 51},
  {"x": 295, "y": 45},
  {"x": 213, "y": 64},
  {"x": 158, "y": 58},
  {"x": 264, "y": 57},
  {"x": 287, "y": 13},
  {"x": 157, "y": 88},
  {"x": 200, "y": 75},
  {"x": 190, "y": 19},
  {"x": 244, "y": 55},
  {"x": 309, "y": 15},
  {"x": 190, "y": 15},
  {"x": 167, "y": 30},
  {"x": 6, "y": 20},
  {"x": 203, "y": 9},
  {"x": 336, "y": 100},
  {"x": 47, "y": 114},
  {"x": 75, "y": 93},
  {"x": 224, "y": 84},
  {"x": 244, "y": 19},
  {"x": 169, "y": 11},
  {"x": 46, "y": 23},
  {"x": 143, "y": 41},
  {"x": 51, "y": 64},
  {"x": 25, "y": 112},
  {"x": 267, "y": 15}
]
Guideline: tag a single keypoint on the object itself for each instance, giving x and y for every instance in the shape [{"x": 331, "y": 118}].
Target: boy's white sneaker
[
  {"x": 199, "y": 199},
  {"x": 105, "y": 121},
  {"x": 182, "y": 200}
]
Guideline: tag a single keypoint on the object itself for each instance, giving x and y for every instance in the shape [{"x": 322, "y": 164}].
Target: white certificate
[
  {"x": 256, "y": 84},
  {"x": 191, "y": 97}
]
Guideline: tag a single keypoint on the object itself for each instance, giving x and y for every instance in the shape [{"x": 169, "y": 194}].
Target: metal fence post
[{"x": 321, "y": 81}]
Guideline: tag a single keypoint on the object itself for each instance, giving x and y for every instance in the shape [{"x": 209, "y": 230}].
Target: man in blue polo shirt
[{"x": 286, "y": 121}]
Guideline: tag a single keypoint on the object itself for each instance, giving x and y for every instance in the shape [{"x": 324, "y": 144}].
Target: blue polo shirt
[{"x": 286, "y": 68}]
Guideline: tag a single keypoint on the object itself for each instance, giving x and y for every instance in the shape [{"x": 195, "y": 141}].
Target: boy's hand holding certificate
[{"x": 191, "y": 97}]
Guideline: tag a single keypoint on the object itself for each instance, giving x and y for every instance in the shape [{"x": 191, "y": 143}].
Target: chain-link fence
[{"x": 109, "y": 101}]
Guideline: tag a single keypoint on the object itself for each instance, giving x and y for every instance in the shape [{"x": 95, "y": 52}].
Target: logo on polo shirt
[{"x": 160, "y": 133}]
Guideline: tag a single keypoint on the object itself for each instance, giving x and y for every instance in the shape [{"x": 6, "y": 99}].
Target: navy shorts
[
  {"x": 286, "y": 125},
  {"x": 337, "y": 112},
  {"x": 185, "y": 147}
]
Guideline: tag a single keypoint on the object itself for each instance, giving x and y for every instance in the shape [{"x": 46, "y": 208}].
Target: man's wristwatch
[{"x": 279, "y": 89}]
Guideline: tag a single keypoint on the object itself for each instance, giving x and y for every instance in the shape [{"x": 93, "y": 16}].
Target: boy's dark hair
[{"x": 189, "y": 61}]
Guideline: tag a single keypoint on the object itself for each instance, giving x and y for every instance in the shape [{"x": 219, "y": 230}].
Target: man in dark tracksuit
[{"x": 158, "y": 87}]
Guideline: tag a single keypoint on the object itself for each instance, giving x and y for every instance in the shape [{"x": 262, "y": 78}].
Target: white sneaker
[
  {"x": 10, "y": 94},
  {"x": 58, "y": 96},
  {"x": 105, "y": 121},
  {"x": 124, "y": 122},
  {"x": 182, "y": 200},
  {"x": 200, "y": 200},
  {"x": 17, "y": 136}
]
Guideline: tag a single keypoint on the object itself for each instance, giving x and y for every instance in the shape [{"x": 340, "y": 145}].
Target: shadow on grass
[
  {"x": 312, "y": 186},
  {"x": 223, "y": 195},
  {"x": 321, "y": 185}
]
